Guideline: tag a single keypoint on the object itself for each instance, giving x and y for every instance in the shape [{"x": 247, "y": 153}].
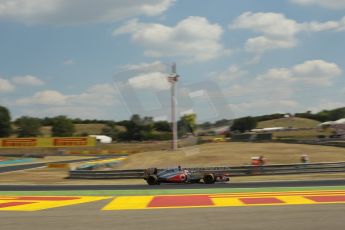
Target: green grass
[
  {"x": 289, "y": 122},
  {"x": 295, "y": 123}
]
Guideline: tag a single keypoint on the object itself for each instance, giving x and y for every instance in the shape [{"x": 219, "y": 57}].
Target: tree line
[
  {"x": 324, "y": 115},
  {"x": 141, "y": 128},
  {"x": 135, "y": 129},
  {"x": 243, "y": 124}
]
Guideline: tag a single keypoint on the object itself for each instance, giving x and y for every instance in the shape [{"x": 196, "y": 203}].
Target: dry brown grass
[
  {"x": 90, "y": 129},
  {"x": 137, "y": 146},
  {"x": 232, "y": 153},
  {"x": 214, "y": 154},
  {"x": 46, "y": 131},
  {"x": 302, "y": 134}
]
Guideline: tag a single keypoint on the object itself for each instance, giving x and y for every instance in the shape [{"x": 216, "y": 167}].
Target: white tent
[
  {"x": 270, "y": 129},
  {"x": 338, "y": 125},
  {"x": 103, "y": 139}
]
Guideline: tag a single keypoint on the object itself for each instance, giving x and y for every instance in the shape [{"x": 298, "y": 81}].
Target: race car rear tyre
[
  {"x": 152, "y": 180},
  {"x": 209, "y": 179}
]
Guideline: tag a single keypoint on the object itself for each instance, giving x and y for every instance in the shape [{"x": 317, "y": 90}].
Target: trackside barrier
[
  {"x": 53, "y": 142},
  {"x": 58, "y": 165},
  {"x": 332, "y": 167}
]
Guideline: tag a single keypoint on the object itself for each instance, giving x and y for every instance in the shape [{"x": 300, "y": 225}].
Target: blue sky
[{"x": 108, "y": 59}]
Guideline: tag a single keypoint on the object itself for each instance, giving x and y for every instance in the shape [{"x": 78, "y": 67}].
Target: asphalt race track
[
  {"x": 260, "y": 205},
  {"x": 88, "y": 216},
  {"x": 264, "y": 184}
]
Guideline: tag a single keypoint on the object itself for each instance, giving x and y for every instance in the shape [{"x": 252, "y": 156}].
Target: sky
[{"x": 109, "y": 59}]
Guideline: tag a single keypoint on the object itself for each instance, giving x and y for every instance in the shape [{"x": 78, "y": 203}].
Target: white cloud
[
  {"x": 97, "y": 95},
  {"x": 277, "y": 31},
  {"x": 280, "y": 74},
  {"x": 231, "y": 73},
  {"x": 323, "y": 26},
  {"x": 69, "y": 62},
  {"x": 330, "y": 25},
  {"x": 315, "y": 72},
  {"x": 271, "y": 103},
  {"x": 326, "y": 104},
  {"x": 145, "y": 76},
  {"x": 273, "y": 24},
  {"x": 47, "y": 97},
  {"x": 261, "y": 106},
  {"x": 332, "y": 4},
  {"x": 155, "y": 80},
  {"x": 193, "y": 38},
  {"x": 186, "y": 112},
  {"x": 262, "y": 43},
  {"x": 198, "y": 93},
  {"x": 96, "y": 101},
  {"x": 83, "y": 112},
  {"x": 279, "y": 89},
  {"x": 6, "y": 86},
  {"x": 260, "y": 89},
  {"x": 101, "y": 89},
  {"x": 27, "y": 80},
  {"x": 67, "y": 12},
  {"x": 318, "y": 69},
  {"x": 146, "y": 67}
]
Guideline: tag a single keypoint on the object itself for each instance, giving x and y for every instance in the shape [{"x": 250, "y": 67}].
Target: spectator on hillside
[
  {"x": 262, "y": 160},
  {"x": 304, "y": 159}
]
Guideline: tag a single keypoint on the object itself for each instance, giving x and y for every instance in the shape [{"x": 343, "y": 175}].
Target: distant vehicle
[
  {"x": 179, "y": 175},
  {"x": 218, "y": 139}
]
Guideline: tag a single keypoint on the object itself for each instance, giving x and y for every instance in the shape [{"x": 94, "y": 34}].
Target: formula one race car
[{"x": 153, "y": 176}]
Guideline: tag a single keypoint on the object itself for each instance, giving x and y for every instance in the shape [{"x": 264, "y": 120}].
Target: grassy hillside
[
  {"x": 89, "y": 128},
  {"x": 295, "y": 122}
]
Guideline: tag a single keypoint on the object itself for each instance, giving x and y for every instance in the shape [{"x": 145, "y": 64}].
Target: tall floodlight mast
[{"x": 173, "y": 78}]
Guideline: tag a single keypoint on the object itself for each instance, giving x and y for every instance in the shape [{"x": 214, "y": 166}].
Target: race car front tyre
[
  {"x": 209, "y": 179},
  {"x": 152, "y": 180}
]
